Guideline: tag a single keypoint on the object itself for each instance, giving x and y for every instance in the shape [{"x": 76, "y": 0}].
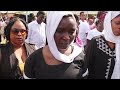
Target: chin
[
  {"x": 117, "y": 34},
  {"x": 62, "y": 49}
]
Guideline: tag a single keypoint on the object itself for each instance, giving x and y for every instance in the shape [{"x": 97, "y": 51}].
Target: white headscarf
[
  {"x": 53, "y": 20},
  {"x": 109, "y": 36}
]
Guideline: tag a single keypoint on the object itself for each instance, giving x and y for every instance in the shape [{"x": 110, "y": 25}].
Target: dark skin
[
  {"x": 100, "y": 26},
  {"x": 40, "y": 18},
  {"x": 64, "y": 35},
  {"x": 17, "y": 40},
  {"x": 82, "y": 16},
  {"x": 115, "y": 24}
]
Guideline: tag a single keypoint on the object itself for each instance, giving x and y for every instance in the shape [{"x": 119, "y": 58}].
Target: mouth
[
  {"x": 117, "y": 33},
  {"x": 19, "y": 39},
  {"x": 63, "y": 45}
]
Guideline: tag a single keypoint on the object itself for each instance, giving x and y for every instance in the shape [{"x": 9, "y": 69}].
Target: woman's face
[
  {"x": 115, "y": 23},
  {"x": 18, "y": 33},
  {"x": 65, "y": 33}
]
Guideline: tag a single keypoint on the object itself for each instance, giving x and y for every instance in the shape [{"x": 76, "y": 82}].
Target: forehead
[
  {"x": 117, "y": 18},
  {"x": 41, "y": 15},
  {"x": 82, "y": 14},
  {"x": 67, "y": 21},
  {"x": 18, "y": 24},
  {"x": 90, "y": 19}
]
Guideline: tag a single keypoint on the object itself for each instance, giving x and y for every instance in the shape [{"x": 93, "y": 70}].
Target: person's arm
[
  {"x": 84, "y": 68},
  {"x": 90, "y": 56}
]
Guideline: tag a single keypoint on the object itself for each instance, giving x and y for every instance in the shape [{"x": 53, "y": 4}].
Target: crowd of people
[{"x": 61, "y": 45}]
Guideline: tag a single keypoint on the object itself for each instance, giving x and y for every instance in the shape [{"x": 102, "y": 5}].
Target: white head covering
[
  {"x": 53, "y": 20},
  {"x": 109, "y": 36}
]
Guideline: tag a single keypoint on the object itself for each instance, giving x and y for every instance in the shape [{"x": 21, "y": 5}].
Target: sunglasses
[{"x": 15, "y": 31}]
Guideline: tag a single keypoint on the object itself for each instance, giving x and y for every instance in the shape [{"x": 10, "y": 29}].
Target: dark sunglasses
[{"x": 16, "y": 31}]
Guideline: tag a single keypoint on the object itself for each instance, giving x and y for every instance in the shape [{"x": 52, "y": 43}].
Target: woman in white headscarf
[
  {"x": 60, "y": 59},
  {"x": 103, "y": 53}
]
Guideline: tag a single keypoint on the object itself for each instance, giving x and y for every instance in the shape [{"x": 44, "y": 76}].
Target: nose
[
  {"x": 66, "y": 36},
  {"x": 19, "y": 33}
]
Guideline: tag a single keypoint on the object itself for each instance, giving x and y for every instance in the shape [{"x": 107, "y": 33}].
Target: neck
[
  {"x": 112, "y": 45},
  {"x": 99, "y": 29},
  {"x": 17, "y": 46},
  {"x": 82, "y": 20},
  {"x": 39, "y": 22}
]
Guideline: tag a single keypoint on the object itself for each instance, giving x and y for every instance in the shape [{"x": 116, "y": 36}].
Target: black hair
[
  {"x": 40, "y": 12},
  {"x": 31, "y": 15},
  {"x": 76, "y": 17},
  {"x": 10, "y": 24},
  {"x": 81, "y": 12}
]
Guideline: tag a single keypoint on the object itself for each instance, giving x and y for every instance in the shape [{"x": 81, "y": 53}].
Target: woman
[
  {"x": 60, "y": 59},
  {"x": 103, "y": 53},
  {"x": 13, "y": 54}
]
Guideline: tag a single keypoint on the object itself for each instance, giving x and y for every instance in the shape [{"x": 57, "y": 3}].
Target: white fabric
[
  {"x": 53, "y": 20},
  {"x": 109, "y": 36},
  {"x": 36, "y": 34},
  {"x": 93, "y": 33},
  {"x": 92, "y": 26},
  {"x": 2, "y": 26},
  {"x": 26, "y": 77},
  {"x": 83, "y": 30}
]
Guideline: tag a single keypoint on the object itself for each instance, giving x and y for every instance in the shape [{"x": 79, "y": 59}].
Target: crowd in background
[{"x": 72, "y": 46}]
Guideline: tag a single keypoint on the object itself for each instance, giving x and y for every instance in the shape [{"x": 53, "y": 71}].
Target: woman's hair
[{"x": 10, "y": 24}]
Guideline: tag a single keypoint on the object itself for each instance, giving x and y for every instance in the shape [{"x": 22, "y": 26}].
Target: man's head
[
  {"x": 101, "y": 15},
  {"x": 40, "y": 16},
  {"x": 82, "y": 16}
]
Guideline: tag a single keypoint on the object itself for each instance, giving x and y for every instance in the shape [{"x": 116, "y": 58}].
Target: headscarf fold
[
  {"x": 53, "y": 20},
  {"x": 109, "y": 36}
]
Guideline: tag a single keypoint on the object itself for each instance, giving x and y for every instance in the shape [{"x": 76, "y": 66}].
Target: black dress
[
  {"x": 100, "y": 58},
  {"x": 35, "y": 67}
]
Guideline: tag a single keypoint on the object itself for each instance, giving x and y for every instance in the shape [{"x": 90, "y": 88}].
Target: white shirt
[
  {"x": 36, "y": 34},
  {"x": 93, "y": 33},
  {"x": 83, "y": 30},
  {"x": 2, "y": 26}
]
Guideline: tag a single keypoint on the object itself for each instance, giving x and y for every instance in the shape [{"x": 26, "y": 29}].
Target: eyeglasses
[{"x": 16, "y": 31}]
